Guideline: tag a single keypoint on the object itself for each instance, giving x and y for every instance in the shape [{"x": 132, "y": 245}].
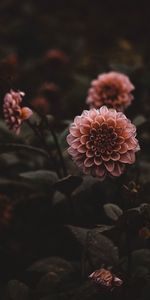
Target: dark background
[
  {"x": 52, "y": 50},
  {"x": 96, "y": 36}
]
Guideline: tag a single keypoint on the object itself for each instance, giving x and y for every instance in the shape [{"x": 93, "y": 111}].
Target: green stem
[
  {"x": 9, "y": 147},
  {"x": 42, "y": 140},
  {"x": 129, "y": 254},
  {"x": 65, "y": 173}
]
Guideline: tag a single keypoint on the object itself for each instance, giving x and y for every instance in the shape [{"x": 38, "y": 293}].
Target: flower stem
[
  {"x": 11, "y": 147},
  {"x": 65, "y": 173},
  {"x": 42, "y": 140},
  {"x": 44, "y": 119},
  {"x": 129, "y": 254}
]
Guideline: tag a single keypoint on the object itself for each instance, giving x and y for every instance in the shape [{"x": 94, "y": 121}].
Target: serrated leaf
[{"x": 100, "y": 248}]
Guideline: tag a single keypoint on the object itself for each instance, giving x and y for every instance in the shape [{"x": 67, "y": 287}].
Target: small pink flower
[
  {"x": 112, "y": 89},
  {"x": 14, "y": 114},
  {"x": 56, "y": 55},
  {"x": 102, "y": 141},
  {"x": 106, "y": 279}
]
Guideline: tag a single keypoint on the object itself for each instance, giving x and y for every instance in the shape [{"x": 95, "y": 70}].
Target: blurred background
[
  {"x": 52, "y": 50},
  {"x": 67, "y": 43}
]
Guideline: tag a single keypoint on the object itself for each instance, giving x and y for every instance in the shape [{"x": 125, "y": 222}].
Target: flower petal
[
  {"x": 97, "y": 161},
  {"x": 100, "y": 171},
  {"x": 26, "y": 113},
  {"x": 89, "y": 162},
  {"x": 115, "y": 156},
  {"x": 109, "y": 165},
  {"x": 123, "y": 149},
  {"x": 75, "y": 131},
  {"x": 82, "y": 149},
  {"x": 85, "y": 129}
]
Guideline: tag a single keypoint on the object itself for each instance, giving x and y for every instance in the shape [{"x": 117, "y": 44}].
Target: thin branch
[
  {"x": 41, "y": 138},
  {"x": 65, "y": 173},
  {"x": 11, "y": 147}
]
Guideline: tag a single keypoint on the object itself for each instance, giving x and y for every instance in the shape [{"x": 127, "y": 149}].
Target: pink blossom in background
[
  {"x": 56, "y": 55},
  {"x": 14, "y": 114},
  {"x": 105, "y": 278},
  {"x": 102, "y": 141},
  {"x": 112, "y": 89}
]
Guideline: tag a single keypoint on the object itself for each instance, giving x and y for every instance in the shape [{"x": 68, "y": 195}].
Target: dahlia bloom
[
  {"x": 57, "y": 55},
  {"x": 14, "y": 114},
  {"x": 102, "y": 141},
  {"x": 105, "y": 278},
  {"x": 112, "y": 89}
]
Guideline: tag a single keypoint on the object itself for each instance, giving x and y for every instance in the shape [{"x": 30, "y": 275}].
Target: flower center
[
  {"x": 110, "y": 92},
  {"x": 103, "y": 139}
]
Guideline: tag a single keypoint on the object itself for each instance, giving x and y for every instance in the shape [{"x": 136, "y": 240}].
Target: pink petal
[
  {"x": 128, "y": 157},
  {"x": 117, "y": 170},
  {"x": 76, "y": 143},
  {"x": 117, "y": 147},
  {"x": 84, "y": 139},
  {"x": 97, "y": 161},
  {"x": 127, "y": 134},
  {"x": 86, "y": 170},
  {"x": 70, "y": 139},
  {"x": 86, "y": 121},
  {"x": 93, "y": 113},
  {"x": 95, "y": 125},
  {"x": 131, "y": 143},
  {"x": 100, "y": 171},
  {"x": 115, "y": 156},
  {"x": 72, "y": 151},
  {"x": 99, "y": 119},
  {"x": 89, "y": 162},
  {"x": 77, "y": 120},
  {"x": 74, "y": 131},
  {"x": 132, "y": 156},
  {"x": 12, "y": 119},
  {"x": 120, "y": 140},
  {"x": 110, "y": 165},
  {"x": 111, "y": 122},
  {"x": 85, "y": 129},
  {"x": 82, "y": 149},
  {"x": 105, "y": 157},
  {"x": 89, "y": 153},
  {"x": 89, "y": 145},
  {"x": 26, "y": 113},
  {"x": 121, "y": 123},
  {"x": 124, "y": 148},
  {"x": 103, "y": 110}
]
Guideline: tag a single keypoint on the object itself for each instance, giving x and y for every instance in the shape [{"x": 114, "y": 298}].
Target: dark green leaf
[
  {"x": 68, "y": 184},
  {"x": 17, "y": 290}
]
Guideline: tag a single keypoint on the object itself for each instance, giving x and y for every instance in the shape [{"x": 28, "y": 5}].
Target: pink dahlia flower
[
  {"x": 102, "y": 141},
  {"x": 106, "y": 278},
  {"x": 14, "y": 114},
  {"x": 112, "y": 89}
]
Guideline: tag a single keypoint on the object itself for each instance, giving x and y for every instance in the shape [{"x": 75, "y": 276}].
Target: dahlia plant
[
  {"x": 14, "y": 113},
  {"x": 112, "y": 89},
  {"x": 102, "y": 141}
]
